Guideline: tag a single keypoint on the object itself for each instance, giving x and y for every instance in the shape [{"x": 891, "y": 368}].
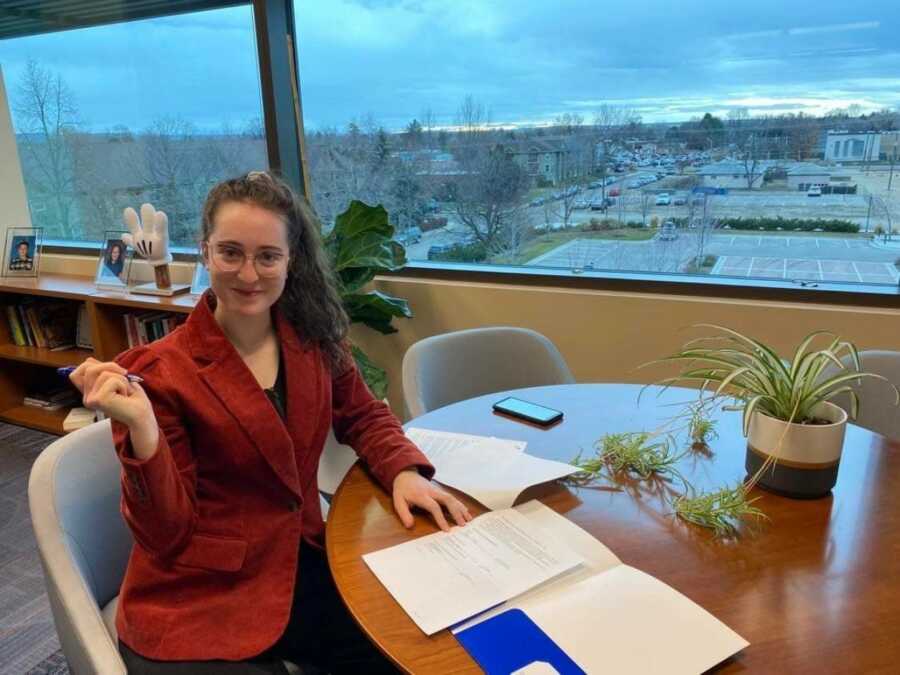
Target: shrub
[
  {"x": 796, "y": 224},
  {"x": 475, "y": 252}
]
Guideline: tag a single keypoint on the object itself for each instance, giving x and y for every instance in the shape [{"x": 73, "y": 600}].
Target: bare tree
[
  {"x": 885, "y": 206},
  {"x": 568, "y": 123},
  {"x": 750, "y": 159},
  {"x": 47, "y": 115},
  {"x": 488, "y": 195},
  {"x": 645, "y": 204}
]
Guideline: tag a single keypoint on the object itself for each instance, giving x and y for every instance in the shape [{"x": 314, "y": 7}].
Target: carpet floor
[{"x": 28, "y": 642}]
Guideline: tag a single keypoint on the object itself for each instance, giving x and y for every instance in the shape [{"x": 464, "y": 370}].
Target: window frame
[{"x": 281, "y": 90}]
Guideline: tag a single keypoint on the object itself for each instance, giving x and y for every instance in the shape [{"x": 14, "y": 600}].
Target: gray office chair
[
  {"x": 446, "y": 368},
  {"x": 877, "y": 411},
  {"x": 84, "y": 544}
]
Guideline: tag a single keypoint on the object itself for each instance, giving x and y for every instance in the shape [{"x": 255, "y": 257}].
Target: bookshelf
[{"x": 24, "y": 368}]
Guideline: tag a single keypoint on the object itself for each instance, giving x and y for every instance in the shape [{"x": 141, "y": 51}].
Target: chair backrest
[
  {"x": 84, "y": 543},
  {"x": 876, "y": 399},
  {"x": 446, "y": 368}
]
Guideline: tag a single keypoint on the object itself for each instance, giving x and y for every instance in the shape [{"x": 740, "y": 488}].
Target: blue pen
[{"x": 68, "y": 370}]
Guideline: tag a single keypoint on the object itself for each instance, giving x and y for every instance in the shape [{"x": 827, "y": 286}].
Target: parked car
[
  {"x": 679, "y": 200},
  {"x": 412, "y": 235},
  {"x": 814, "y": 191},
  {"x": 601, "y": 204},
  {"x": 436, "y": 251},
  {"x": 663, "y": 199},
  {"x": 667, "y": 232},
  {"x": 581, "y": 203},
  {"x": 614, "y": 191}
]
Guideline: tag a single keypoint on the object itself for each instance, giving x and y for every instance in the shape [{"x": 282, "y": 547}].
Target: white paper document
[
  {"x": 493, "y": 471},
  {"x": 446, "y": 577},
  {"x": 602, "y": 612}
]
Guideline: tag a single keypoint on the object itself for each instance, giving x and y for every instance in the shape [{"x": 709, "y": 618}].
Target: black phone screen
[{"x": 528, "y": 411}]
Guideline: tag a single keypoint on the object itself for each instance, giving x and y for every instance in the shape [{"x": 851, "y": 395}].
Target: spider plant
[
  {"x": 701, "y": 428},
  {"x": 719, "y": 510},
  {"x": 634, "y": 452},
  {"x": 734, "y": 365}
]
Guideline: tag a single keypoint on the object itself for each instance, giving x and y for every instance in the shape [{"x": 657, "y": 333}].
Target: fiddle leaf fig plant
[{"x": 361, "y": 245}]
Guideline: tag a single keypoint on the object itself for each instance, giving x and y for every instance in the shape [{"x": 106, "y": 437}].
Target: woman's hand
[
  {"x": 104, "y": 387},
  {"x": 411, "y": 489}
]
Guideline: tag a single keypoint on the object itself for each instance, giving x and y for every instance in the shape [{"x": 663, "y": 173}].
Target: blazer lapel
[
  {"x": 231, "y": 381},
  {"x": 303, "y": 378}
]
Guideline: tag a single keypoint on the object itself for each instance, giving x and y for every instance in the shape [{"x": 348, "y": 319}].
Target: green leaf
[
  {"x": 375, "y": 377},
  {"x": 376, "y": 309}
]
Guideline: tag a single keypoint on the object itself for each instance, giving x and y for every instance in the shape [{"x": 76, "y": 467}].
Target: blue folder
[{"x": 509, "y": 641}]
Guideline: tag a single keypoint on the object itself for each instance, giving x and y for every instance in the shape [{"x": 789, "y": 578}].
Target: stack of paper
[
  {"x": 446, "y": 577},
  {"x": 527, "y": 590},
  {"x": 492, "y": 470},
  {"x": 77, "y": 418},
  {"x": 603, "y": 615}
]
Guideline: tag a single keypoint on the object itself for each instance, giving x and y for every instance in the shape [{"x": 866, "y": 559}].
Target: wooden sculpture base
[{"x": 151, "y": 288}]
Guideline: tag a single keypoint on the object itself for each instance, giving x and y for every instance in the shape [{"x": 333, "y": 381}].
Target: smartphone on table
[{"x": 527, "y": 411}]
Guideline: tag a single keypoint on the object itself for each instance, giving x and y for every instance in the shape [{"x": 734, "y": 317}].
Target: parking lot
[
  {"x": 806, "y": 269},
  {"x": 836, "y": 259}
]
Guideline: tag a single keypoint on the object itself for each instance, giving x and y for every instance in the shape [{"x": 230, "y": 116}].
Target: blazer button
[{"x": 294, "y": 505}]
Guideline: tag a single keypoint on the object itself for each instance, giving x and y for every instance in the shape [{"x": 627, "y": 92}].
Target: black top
[{"x": 277, "y": 393}]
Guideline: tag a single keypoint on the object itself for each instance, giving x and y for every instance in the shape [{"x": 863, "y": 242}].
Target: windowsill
[
  {"x": 677, "y": 284},
  {"x": 878, "y": 295}
]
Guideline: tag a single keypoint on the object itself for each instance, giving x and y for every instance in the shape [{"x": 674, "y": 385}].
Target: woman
[
  {"x": 220, "y": 447},
  {"x": 115, "y": 259}
]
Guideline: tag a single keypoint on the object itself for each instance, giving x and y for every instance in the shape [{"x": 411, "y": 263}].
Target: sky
[{"x": 525, "y": 61}]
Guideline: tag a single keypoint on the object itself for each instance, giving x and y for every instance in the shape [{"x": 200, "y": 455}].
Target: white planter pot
[{"x": 807, "y": 456}]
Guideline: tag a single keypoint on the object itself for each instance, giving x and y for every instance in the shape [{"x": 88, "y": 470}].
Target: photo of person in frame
[
  {"x": 114, "y": 260},
  {"x": 22, "y": 256}
]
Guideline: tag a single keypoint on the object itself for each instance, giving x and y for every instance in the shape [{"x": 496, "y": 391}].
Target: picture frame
[
  {"x": 200, "y": 280},
  {"x": 113, "y": 263},
  {"x": 22, "y": 252}
]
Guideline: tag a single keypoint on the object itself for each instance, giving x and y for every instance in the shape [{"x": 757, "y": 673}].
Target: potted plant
[
  {"x": 360, "y": 245},
  {"x": 795, "y": 433}
]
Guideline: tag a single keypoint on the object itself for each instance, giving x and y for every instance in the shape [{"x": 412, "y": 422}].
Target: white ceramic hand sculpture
[{"x": 149, "y": 235}]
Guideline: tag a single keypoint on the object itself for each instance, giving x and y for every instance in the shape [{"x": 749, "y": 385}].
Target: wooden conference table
[{"x": 814, "y": 589}]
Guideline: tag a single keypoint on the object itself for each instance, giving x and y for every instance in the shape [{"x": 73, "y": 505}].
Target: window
[
  {"x": 411, "y": 101},
  {"x": 153, "y": 110}
]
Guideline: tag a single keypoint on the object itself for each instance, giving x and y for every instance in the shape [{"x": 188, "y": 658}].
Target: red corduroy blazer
[{"x": 217, "y": 513}]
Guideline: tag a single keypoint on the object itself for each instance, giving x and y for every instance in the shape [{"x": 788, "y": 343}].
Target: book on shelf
[
  {"x": 55, "y": 398},
  {"x": 144, "y": 327},
  {"x": 83, "y": 336},
  {"x": 48, "y": 324}
]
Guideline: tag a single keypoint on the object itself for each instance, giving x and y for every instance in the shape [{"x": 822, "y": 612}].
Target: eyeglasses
[{"x": 231, "y": 259}]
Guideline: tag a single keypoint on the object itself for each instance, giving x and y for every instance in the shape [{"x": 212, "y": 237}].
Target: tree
[
  {"x": 568, "y": 123},
  {"x": 413, "y": 134},
  {"x": 47, "y": 116},
  {"x": 488, "y": 195},
  {"x": 750, "y": 161},
  {"x": 712, "y": 130},
  {"x": 645, "y": 204}
]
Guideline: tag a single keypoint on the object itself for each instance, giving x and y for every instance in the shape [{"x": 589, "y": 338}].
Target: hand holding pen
[
  {"x": 68, "y": 370},
  {"x": 107, "y": 386}
]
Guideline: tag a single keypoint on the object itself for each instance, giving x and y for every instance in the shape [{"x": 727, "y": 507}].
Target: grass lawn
[{"x": 547, "y": 242}]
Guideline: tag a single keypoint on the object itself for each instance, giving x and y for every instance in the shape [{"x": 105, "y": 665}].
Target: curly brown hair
[{"x": 310, "y": 301}]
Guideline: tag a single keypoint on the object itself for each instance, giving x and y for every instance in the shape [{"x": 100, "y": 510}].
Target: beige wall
[
  {"x": 12, "y": 187},
  {"x": 605, "y": 335}
]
